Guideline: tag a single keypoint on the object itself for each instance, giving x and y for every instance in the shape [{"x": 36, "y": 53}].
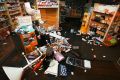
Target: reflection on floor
[{"x": 6, "y": 47}]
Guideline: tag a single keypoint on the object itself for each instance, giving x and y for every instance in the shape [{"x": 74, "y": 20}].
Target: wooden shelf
[
  {"x": 2, "y": 2},
  {"x": 13, "y": 19},
  {"x": 3, "y": 10},
  {"x": 13, "y": 6},
  {"x": 12, "y": 2},
  {"x": 4, "y": 27},
  {"x": 103, "y": 13},
  {"x": 99, "y": 22},
  {"x": 13, "y": 10},
  {"x": 48, "y": 6},
  {"x": 4, "y": 20},
  {"x": 15, "y": 13},
  {"x": 50, "y": 14},
  {"x": 100, "y": 33},
  {"x": 109, "y": 12}
]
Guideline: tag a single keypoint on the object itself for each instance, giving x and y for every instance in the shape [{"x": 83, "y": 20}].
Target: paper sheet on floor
[{"x": 53, "y": 68}]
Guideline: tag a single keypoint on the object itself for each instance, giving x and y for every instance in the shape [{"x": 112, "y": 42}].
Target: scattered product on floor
[
  {"x": 75, "y": 53},
  {"x": 94, "y": 56},
  {"x": 92, "y": 49},
  {"x": 84, "y": 64},
  {"x": 53, "y": 68},
  {"x": 72, "y": 73},
  {"x": 75, "y": 47},
  {"x": 4, "y": 43},
  {"x": 104, "y": 56},
  {"x": 91, "y": 40},
  {"x": 62, "y": 70}
]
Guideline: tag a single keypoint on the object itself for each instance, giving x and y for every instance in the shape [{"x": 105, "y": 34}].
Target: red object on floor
[{"x": 38, "y": 65}]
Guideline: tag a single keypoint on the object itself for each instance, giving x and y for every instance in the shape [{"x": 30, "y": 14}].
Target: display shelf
[
  {"x": 49, "y": 12},
  {"x": 13, "y": 2},
  {"x": 103, "y": 13},
  {"x": 13, "y": 6},
  {"x": 103, "y": 17},
  {"x": 13, "y": 10},
  {"x": 23, "y": 8},
  {"x": 3, "y": 20},
  {"x": 13, "y": 19},
  {"x": 12, "y": 14},
  {"x": 5, "y": 27},
  {"x": 3, "y": 10},
  {"x": 48, "y": 6},
  {"x": 85, "y": 21},
  {"x": 100, "y": 23},
  {"x": 100, "y": 33},
  {"x": 115, "y": 25},
  {"x": 2, "y": 2}
]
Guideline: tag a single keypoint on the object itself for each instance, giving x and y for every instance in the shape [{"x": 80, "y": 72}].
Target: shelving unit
[
  {"x": 116, "y": 24},
  {"x": 4, "y": 21},
  {"x": 85, "y": 22},
  {"x": 22, "y": 8},
  {"x": 49, "y": 12},
  {"x": 102, "y": 19},
  {"x": 13, "y": 10},
  {"x": 62, "y": 12}
]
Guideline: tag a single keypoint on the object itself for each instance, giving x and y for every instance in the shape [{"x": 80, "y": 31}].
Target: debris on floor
[
  {"x": 94, "y": 56},
  {"x": 91, "y": 40},
  {"x": 104, "y": 56},
  {"x": 78, "y": 34},
  {"x": 72, "y": 31},
  {"x": 92, "y": 49},
  {"x": 4, "y": 43},
  {"x": 72, "y": 73},
  {"x": 75, "y": 47},
  {"x": 84, "y": 39}
]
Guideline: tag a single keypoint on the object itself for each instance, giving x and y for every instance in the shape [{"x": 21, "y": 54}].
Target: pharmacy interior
[{"x": 47, "y": 39}]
